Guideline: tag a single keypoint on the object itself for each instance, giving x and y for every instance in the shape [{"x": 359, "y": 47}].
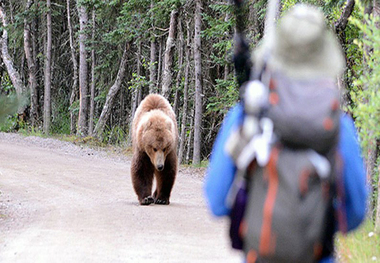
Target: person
[{"x": 301, "y": 48}]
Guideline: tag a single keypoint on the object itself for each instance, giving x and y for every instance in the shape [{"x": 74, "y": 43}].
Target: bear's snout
[{"x": 159, "y": 160}]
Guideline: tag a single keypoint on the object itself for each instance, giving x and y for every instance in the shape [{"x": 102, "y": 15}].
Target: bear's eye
[
  {"x": 164, "y": 149},
  {"x": 154, "y": 149}
]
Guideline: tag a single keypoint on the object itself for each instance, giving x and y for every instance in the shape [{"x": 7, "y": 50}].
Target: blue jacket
[{"x": 221, "y": 171}]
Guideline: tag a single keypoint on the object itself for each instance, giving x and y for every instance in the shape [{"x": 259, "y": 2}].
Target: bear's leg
[
  {"x": 165, "y": 181},
  {"x": 142, "y": 178}
]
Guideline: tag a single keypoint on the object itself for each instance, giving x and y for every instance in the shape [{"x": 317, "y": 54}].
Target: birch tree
[
  {"x": 83, "y": 71},
  {"x": 14, "y": 75},
  {"x": 169, "y": 53},
  {"x": 32, "y": 67},
  {"x": 74, "y": 87},
  {"x": 47, "y": 91},
  {"x": 92, "y": 90},
  {"x": 182, "y": 141},
  {"x": 180, "y": 66},
  {"x": 153, "y": 57},
  {"x": 198, "y": 84}
]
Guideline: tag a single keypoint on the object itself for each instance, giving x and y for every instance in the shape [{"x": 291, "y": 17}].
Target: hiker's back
[
  {"x": 290, "y": 198},
  {"x": 280, "y": 145}
]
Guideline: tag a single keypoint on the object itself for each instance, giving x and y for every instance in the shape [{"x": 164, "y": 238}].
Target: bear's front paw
[
  {"x": 162, "y": 201},
  {"x": 147, "y": 200}
]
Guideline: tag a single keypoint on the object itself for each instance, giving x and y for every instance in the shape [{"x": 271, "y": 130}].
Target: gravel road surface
[{"x": 60, "y": 202}]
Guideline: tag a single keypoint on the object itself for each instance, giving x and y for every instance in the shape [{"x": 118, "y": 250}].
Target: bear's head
[{"x": 156, "y": 137}]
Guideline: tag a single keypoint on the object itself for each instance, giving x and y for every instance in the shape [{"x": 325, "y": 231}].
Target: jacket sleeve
[
  {"x": 355, "y": 189},
  {"x": 221, "y": 169}
]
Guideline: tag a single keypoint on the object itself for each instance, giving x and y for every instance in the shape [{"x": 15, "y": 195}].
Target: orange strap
[{"x": 267, "y": 241}]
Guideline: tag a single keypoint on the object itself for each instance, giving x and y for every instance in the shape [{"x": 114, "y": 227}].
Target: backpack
[{"x": 282, "y": 203}]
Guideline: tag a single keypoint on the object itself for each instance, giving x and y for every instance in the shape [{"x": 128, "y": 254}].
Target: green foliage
[
  {"x": 288, "y": 4},
  {"x": 217, "y": 26},
  {"x": 8, "y": 105},
  {"x": 133, "y": 21},
  {"x": 114, "y": 135},
  {"x": 331, "y": 8},
  {"x": 218, "y": 32},
  {"x": 8, "y": 123},
  {"x": 6, "y": 85},
  {"x": 61, "y": 119},
  {"x": 32, "y": 131},
  {"x": 354, "y": 55},
  {"x": 137, "y": 82},
  {"x": 220, "y": 23},
  {"x": 226, "y": 96},
  {"x": 75, "y": 106},
  {"x": 375, "y": 189},
  {"x": 261, "y": 7},
  {"x": 366, "y": 93}
]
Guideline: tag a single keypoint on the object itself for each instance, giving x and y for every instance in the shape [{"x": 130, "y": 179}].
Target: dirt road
[{"x": 62, "y": 203}]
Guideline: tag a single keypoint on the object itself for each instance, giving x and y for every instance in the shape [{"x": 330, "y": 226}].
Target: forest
[{"x": 82, "y": 67}]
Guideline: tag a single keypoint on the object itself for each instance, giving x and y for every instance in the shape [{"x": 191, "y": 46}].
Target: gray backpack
[{"x": 289, "y": 204}]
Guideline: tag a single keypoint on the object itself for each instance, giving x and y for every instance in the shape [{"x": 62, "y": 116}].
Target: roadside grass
[
  {"x": 361, "y": 246},
  {"x": 118, "y": 146},
  {"x": 203, "y": 164}
]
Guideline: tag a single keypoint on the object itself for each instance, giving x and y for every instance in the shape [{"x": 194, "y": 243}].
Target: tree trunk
[
  {"x": 47, "y": 92},
  {"x": 340, "y": 27},
  {"x": 92, "y": 98},
  {"x": 198, "y": 84},
  {"x": 122, "y": 120},
  {"x": 226, "y": 67},
  {"x": 83, "y": 71},
  {"x": 158, "y": 85},
  {"x": 180, "y": 66},
  {"x": 153, "y": 59},
  {"x": 74, "y": 88},
  {"x": 153, "y": 67},
  {"x": 185, "y": 98},
  {"x": 104, "y": 116},
  {"x": 255, "y": 27},
  {"x": 14, "y": 75},
  {"x": 136, "y": 94},
  {"x": 372, "y": 156},
  {"x": 138, "y": 71},
  {"x": 169, "y": 53},
  {"x": 35, "y": 52},
  {"x": 189, "y": 139},
  {"x": 341, "y": 24},
  {"x": 32, "y": 69}
]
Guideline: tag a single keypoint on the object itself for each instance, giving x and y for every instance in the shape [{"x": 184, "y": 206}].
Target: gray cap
[{"x": 302, "y": 46}]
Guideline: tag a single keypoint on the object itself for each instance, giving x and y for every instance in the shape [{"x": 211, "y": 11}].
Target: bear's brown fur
[{"x": 154, "y": 142}]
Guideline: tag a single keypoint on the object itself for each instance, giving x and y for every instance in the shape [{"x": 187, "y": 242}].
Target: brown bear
[{"x": 154, "y": 143}]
